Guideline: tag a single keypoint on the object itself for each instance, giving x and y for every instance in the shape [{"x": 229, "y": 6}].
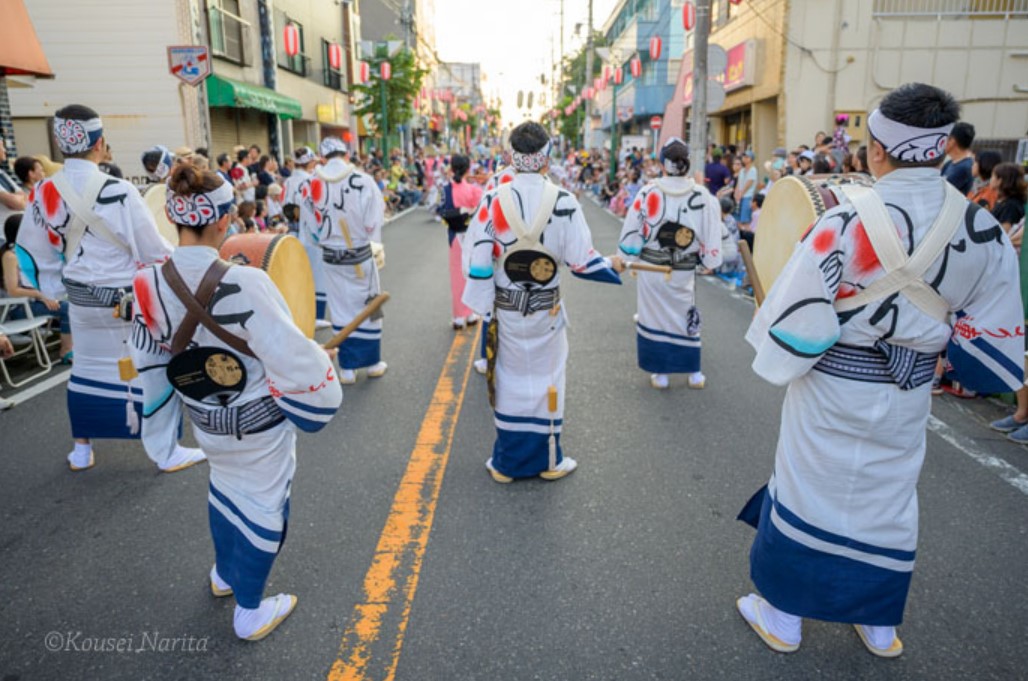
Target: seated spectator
[
  {"x": 822, "y": 165},
  {"x": 23, "y": 284},
  {"x": 731, "y": 267},
  {"x": 29, "y": 171},
  {"x": 260, "y": 216},
  {"x": 1011, "y": 195},
  {"x": 247, "y": 211},
  {"x": 274, "y": 201},
  {"x": 983, "y": 193}
]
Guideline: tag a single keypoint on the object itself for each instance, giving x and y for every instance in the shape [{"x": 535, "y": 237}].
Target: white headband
[
  {"x": 306, "y": 157},
  {"x": 75, "y": 137},
  {"x": 331, "y": 145},
  {"x": 531, "y": 163},
  {"x": 907, "y": 143},
  {"x": 199, "y": 210},
  {"x": 164, "y": 164}
]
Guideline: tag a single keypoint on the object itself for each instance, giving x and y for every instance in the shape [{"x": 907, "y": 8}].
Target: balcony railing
[
  {"x": 230, "y": 36},
  {"x": 951, "y": 9}
]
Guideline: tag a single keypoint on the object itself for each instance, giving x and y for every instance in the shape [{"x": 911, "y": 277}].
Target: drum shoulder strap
[
  {"x": 196, "y": 307},
  {"x": 511, "y": 213},
  {"x": 903, "y": 274},
  {"x": 81, "y": 208}
]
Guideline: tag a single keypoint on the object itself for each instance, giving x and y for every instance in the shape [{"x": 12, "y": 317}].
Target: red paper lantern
[
  {"x": 735, "y": 2},
  {"x": 606, "y": 74},
  {"x": 335, "y": 55},
  {"x": 347, "y": 136},
  {"x": 365, "y": 72},
  {"x": 655, "y": 45},
  {"x": 619, "y": 76},
  {"x": 386, "y": 70},
  {"x": 689, "y": 15},
  {"x": 637, "y": 67},
  {"x": 291, "y": 40}
]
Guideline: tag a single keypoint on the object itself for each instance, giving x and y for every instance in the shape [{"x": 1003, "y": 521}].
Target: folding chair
[{"x": 31, "y": 327}]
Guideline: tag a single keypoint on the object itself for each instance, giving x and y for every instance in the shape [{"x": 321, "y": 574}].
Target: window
[
  {"x": 299, "y": 63},
  {"x": 720, "y": 13},
  {"x": 333, "y": 78},
  {"x": 988, "y": 9},
  {"x": 230, "y": 35},
  {"x": 649, "y": 76}
]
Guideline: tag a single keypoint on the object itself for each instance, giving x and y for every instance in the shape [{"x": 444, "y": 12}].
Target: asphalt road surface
[{"x": 411, "y": 563}]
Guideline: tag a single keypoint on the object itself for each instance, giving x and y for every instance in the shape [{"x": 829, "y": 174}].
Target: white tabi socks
[
  {"x": 779, "y": 630},
  {"x": 182, "y": 458},
  {"x": 219, "y": 587},
  {"x": 253, "y": 625},
  {"x": 482, "y": 365},
  {"x": 659, "y": 381},
  {"x": 81, "y": 457}
]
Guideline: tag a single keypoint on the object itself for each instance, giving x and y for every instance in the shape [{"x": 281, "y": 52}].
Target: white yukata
[
  {"x": 100, "y": 404},
  {"x": 533, "y": 348},
  {"x": 250, "y": 442},
  {"x": 837, "y": 523},
  {"x": 294, "y": 193},
  {"x": 338, "y": 191},
  {"x": 669, "y": 323}
]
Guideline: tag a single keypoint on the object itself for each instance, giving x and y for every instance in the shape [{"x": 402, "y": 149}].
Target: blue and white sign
[{"x": 189, "y": 63}]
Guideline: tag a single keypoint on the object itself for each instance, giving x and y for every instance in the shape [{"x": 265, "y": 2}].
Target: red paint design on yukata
[
  {"x": 497, "y": 250},
  {"x": 483, "y": 215},
  {"x": 506, "y": 178},
  {"x": 865, "y": 259},
  {"x": 653, "y": 205},
  {"x": 317, "y": 191},
  {"x": 846, "y": 291},
  {"x": 637, "y": 205},
  {"x": 499, "y": 221},
  {"x": 51, "y": 199},
  {"x": 824, "y": 241},
  {"x": 144, "y": 298}
]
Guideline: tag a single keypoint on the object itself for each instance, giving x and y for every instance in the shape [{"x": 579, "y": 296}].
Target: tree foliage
[
  {"x": 574, "y": 82},
  {"x": 401, "y": 89}
]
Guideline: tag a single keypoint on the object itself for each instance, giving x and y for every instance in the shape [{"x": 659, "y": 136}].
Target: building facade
[
  {"x": 628, "y": 31},
  {"x": 793, "y": 65},
  {"x": 256, "y": 94}
]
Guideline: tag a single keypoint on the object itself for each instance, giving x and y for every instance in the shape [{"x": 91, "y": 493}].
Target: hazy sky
[{"x": 515, "y": 41}]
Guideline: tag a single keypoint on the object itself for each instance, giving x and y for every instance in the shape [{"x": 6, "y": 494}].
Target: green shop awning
[{"x": 223, "y": 91}]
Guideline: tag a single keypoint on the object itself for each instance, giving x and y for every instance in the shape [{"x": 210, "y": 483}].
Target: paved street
[{"x": 628, "y": 569}]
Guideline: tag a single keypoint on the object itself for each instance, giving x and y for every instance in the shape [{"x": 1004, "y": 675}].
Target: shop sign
[{"x": 738, "y": 72}]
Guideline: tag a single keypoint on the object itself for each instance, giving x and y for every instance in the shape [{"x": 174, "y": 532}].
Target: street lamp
[{"x": 615, "y": 58}]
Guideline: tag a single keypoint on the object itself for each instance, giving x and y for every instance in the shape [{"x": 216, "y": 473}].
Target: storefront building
[{"x": 793, "y": 65}]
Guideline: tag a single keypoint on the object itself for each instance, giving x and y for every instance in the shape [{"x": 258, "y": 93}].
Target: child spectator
[{"x": 23, "y": 284}]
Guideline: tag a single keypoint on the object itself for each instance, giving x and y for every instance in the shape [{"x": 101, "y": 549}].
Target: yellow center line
[{"x": 373, "y": 637}]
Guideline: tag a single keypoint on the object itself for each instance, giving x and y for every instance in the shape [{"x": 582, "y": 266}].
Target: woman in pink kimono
[{"x": 460, "y": 199}]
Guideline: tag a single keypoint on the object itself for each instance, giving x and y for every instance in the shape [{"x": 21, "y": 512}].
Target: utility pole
[
  {"x": 698, "y": 131},
  {"x": 558, "y": 89},
  {"x": 588, "y": 78}
]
